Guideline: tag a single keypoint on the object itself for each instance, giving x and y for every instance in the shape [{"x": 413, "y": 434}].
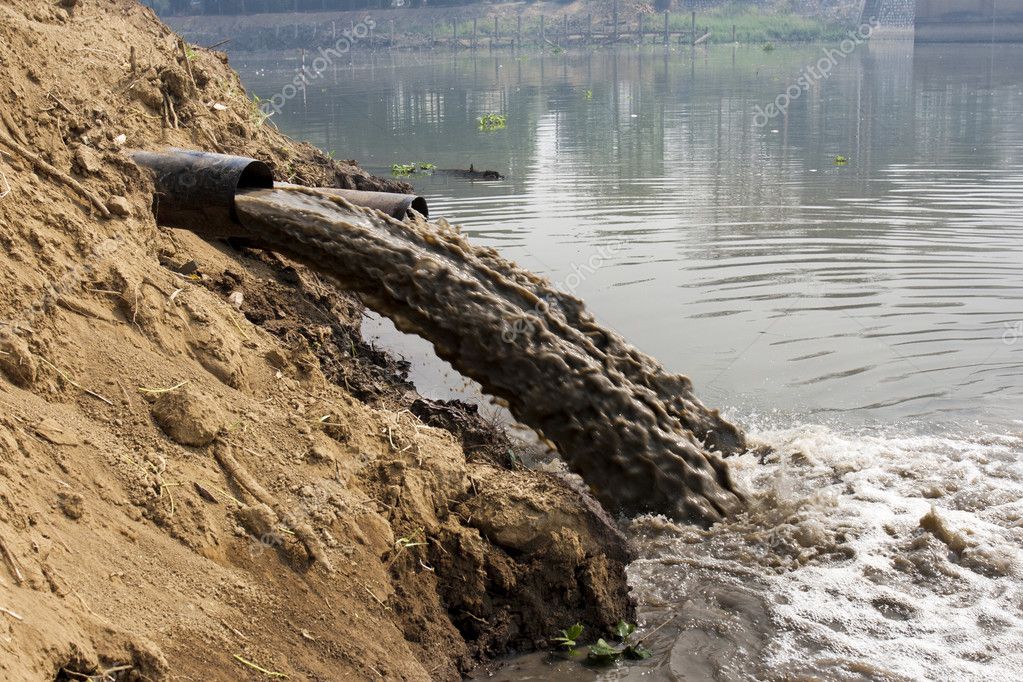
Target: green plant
[
  {"x": 190, "y": 53},
  {"x": 624, "y": 630},
  {"x": 407, "y": 542},
  {"x": 588, "y": 94},
  {"x": 569, "y": 636},
  {"x": 406, "y": 169},
  {"x": 768, "y": 47},
  {"x": 841, "y": 160},
  {"x": 490, "y": 122},
  {"x": 604, "y": 653},
  {"x": 259, "y": 114}
]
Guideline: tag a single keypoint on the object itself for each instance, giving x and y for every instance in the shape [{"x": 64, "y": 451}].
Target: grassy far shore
[
  {"x": 751, "y": 26},
  {"x": 436, "y": 25}
]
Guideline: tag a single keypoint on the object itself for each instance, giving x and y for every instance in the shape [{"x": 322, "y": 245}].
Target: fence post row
[{"x": 585, "y": 35}]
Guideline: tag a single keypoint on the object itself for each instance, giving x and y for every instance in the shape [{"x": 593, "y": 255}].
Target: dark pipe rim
[
  {"x": 419, "y": 205},
  {"x": 194, "y": 186}
]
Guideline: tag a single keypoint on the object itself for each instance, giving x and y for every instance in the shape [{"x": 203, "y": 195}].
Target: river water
[{"x": 844, "y": 279}]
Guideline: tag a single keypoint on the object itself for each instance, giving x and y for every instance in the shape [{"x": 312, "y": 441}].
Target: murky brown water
[
  {"x": 637, "y": 435},
  {"x": 865, "y": 318}
]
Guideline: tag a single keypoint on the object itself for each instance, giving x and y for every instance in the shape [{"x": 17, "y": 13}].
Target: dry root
[
  {"x": 302, "y": 530},
  {"x": 43, "y": 166}
]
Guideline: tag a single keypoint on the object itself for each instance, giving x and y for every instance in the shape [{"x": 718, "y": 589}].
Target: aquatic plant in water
[
  {"x": 491, "y": 122},
  {"x": 605, "y": 653},
  {"x": 405, "y": 169},
  {"x": 569, "y": 636}
]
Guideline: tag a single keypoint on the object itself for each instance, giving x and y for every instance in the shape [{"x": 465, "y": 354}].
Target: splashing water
[{"x": 862, "y": 556}]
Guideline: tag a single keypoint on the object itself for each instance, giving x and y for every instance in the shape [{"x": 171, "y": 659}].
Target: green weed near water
[
  {"x": 259, "y": 115},
  {"x": 569, "y": 636},
  {"x": 405, "y": 169},
  {"x": 601, "y": 652},
  {"x": 757, "y": 27},
  {"x": 491, "y": 122}
]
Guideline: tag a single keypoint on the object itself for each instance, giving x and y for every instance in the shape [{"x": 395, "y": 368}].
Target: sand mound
[{"x": 202, "y": 466}]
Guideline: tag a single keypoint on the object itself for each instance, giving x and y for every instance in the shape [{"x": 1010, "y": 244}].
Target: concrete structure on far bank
[
  {"x": 947, "y": 21},
  {"x": 969, "y": 21}
]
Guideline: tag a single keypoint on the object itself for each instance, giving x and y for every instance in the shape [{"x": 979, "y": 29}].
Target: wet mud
[{"x": 636, "y": 434}]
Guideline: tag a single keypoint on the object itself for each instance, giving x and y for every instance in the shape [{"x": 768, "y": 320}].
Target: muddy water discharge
[{"x": 636, "y": 434}]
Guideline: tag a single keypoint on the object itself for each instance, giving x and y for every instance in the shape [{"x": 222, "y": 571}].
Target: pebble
[{"x": 119, "y": 206}]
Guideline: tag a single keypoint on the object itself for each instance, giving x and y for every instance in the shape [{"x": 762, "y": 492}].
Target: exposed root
[
  {"x": 65, "y": 377},
  {"x": 63, "y": 177},
  {"x": 302, "y": 530},
  {"x": 6, "y": 186},
  {"x": 12, "y": 563}
]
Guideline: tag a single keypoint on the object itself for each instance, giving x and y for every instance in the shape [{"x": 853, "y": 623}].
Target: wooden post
[
  {"x": 693, "y": 39},
  {"x": 542, "y": 36},
  {"x": 639, "y": 29},
  {"x": 391, "y": 45},
  {"x": 733, "y": 33},
  {"x": 433, "y": 33},
  {"x": 665, "y": 29},
  {"x": 518, "y": 31},
  {"x": 454, "y": 32},
  {"x": 614, "y": 20},
  {"x": 589, "y": 27},
  {"x": 333, "y": 31},
  {"x": 497, "y": 29},
  {"x": 474, "y": 33},
  {"x": 565, "y": 39}
]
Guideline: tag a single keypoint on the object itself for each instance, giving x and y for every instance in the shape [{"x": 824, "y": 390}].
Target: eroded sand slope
[{"x": 126, "y": 348}]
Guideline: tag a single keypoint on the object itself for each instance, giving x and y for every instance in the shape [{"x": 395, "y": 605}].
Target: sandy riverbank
[{"x": 126, "y": 541}]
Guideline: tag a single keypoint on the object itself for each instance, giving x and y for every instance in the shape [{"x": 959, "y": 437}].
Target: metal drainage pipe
[
  {"x": 196, "y": 190},
  {"x": 393, "y": 204}
]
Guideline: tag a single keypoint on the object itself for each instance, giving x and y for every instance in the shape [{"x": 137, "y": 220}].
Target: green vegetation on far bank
[{"x": 753, "y": 25}]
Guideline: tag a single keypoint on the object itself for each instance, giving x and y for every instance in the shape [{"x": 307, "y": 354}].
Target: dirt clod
[
  {"x": 72, "y": 504},
  {"x": 17, "y": 361},
  {"x": 119, "y": 206},
  {"x": 188, "y": 417}
]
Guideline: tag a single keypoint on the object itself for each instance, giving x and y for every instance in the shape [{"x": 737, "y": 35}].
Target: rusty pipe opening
[{"x": 196, "y": 190}]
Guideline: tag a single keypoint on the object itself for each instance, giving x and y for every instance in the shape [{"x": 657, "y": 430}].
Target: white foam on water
[{"x": 875, "y": 556}]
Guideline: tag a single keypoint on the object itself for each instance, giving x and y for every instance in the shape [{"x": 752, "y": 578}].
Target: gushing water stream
[{"x": 636, "y": 434}]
